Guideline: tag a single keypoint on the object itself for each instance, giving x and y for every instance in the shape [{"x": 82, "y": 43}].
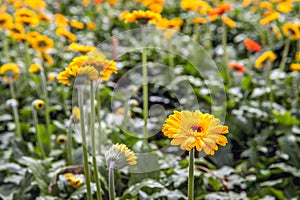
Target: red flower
[
  {"x": 221, "y": 9},
  {"x": 252, "y": 45},
  {"x": 98, "y": 1},
  {"x": 238, "y": 67}
]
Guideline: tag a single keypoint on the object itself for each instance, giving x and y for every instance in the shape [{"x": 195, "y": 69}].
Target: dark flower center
[
  {"x": 197, "y": 128},
  {"x": 2, "y": 21},
  {"x": 42, "y": 44}
]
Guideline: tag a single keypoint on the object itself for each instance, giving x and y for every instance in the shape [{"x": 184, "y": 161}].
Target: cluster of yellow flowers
[
  {"x": 153, "y": 5},
  {"x": 88, "y": 68}
]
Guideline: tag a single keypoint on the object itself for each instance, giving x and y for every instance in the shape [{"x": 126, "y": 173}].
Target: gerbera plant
[{"x": 194, "y": 130}]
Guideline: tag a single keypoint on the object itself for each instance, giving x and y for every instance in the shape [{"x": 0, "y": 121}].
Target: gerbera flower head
[
  {"x": 261, "y": 60},
  {"x": 61, "y": 139},
  {"x": 195, "y": 129},
  {"x": 61, "y": 21},
  {"x": 295, "y": 66},
  {"x": 238, "y": 67},
  {"x": 140, "y": 16},
  {"x": 221, "y": 9},
  {"x": 42, "y": 43},
  {"x": 34, "y": 68},
  {"x": 17, "y": 32},
  {"x": 65, "y": 33},
  {"x": 291, "y": 30},
  {"x": 25, "y": 16},
  {"x": 5, "y": 20},
  {"x": 76, "y": 24},
  {"x": 119, "y": 156},
  {"x": 269, "y": 17},
  {"x": 38, "y": 104},
  {"x": 252, "y": 45},
  {"x": 81, "y": 48},
  {"x": 10, "y": 71},
  {"x": 91, "y": 25},
  {"x": 74, "y": 181},
  {"x": 229, "y": 22},
  {"x": 76, "y": 113}
]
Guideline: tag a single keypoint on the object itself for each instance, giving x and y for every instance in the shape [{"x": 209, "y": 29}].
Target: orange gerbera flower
[
  {"x": 195, "y": 129},
  {"x": 238, "y": 67},
  {"x": 252, "y": 45},
  {"x": 221, "y": 9}
]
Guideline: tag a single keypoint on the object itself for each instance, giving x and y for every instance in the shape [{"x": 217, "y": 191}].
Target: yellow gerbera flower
[
  {"x": 199, "y": 20},
  {"x": 81, "y": 48},
  {"x": 277, "y": 32},
  {"x": 38, "y": 104},
  {"x": 291, "y": 30},
  {"x": 43, "y": 17},
  {"x": 297, "y": 56},
  {"x": 17, "y": 32},
  {"x": 34, "y": 68},
  {"x": 140, "y": 16},
  {"x": 36, "y": 5},
  {"x": 295, "y": 67},
  {"x": 195, "y": 129},
  {"x": 10, "y": 71},
  {"x": 65, "y": 33},
  {"x": 5, "y": 20},
  {"x": 269, "y": 17},
  {"x": 61, "y": 21},
  {"x": 173, "y": 24},
  {"x": 198, "y": 6},
  {"x": 264, "y": 5},
  {"x": 51, "y": 76},
  {"x": 73, "y": 180},
  {"x": 119, "y": 156},
  {"x": 91, "y": 25},
  {"x": 42, "y": 43},
  {"x": 229, "y": 22},
  {"x": 26, "y": 17},
  {"x": 261, "y": 60},
  {"x": 285, "y": 6},
  {"x": 76, "y": 24},
  {"x": 61, "y": 139},
  {"x": 76, "y": 113}
]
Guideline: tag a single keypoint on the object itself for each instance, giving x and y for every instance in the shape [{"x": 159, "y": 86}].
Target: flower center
[
  {"x": 197, "y": 128},
  {"x": 42, "y": 44}
]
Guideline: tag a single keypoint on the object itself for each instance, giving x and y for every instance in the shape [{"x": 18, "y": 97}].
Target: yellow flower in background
[
  {"x": 68, "y": 76},
  {"x": 87, "y": 73},
  {"x": 76, "y": 24},
  {"x": 269, "y": 17},
  {"x": 61, "y": 21},
  {"x": 261, "y": 60},
  {"x": 277, "y": 32},
  {"x": 34, "y": 68},
  {"x": 297, "y": 56},
  {"x": 52, "y": 76},
  {"x": 65, "y": 33},
  {"x": 119, "y": 156},
  {"x": 153, "y": 5},
  {"x": 32, "y": 35},
  {"x": 229, "y": 22},
  {"x": 38, "y": 104},
  {"x": 173, "y": 24},
  {"x": 10, "y": 71},
  {"x": 43, "y": 17},
  {"x": 285, "y": 6},
  {"x": 291, "y": 30},
  {"x": 47, "y": 58},
  {"x": 81, "y": 48},
  {"x": 61, "y": 139},
  {"x": 42, "y": 43},
  {"x": 17, "y": 32},
  {"x": 140, "y": 16},
  {"x": 36, "y": 5},
  {"x": 198, "y": 6},
  {"x": 295, "y": 66},
  {"x": 91, "y": 25},
  {"x": 199, "y": 20},
  {"x": 264, "y": 5},
  {"x": 73, "y": 180},
  {"x": 25, "y": 16},
  {"x": 5, "y": 20},
  {"x": 76, "y": 113},
  {"x": 195, "y": 129}
]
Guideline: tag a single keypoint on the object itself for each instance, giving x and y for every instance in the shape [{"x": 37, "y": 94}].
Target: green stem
[
  {"x": 84, "y": 145},
  {"x": 225, "y": 56},
  {"x": 209, "y": 39},
  {"x": 38, "y": 134},
  {"x": 69, "y": 142},
  {"x": 191, "y": 175},
  {"x": 93, "y": 140},
  {"x": 285, "y": 54},
  {"x": 270, "y": 38},
  {"x": 145, "y": 83},
  {"x": 99, "y": 120},
  {"x": 6, "y": 49},
  {"x": 111, "y": 184},
  {"x": 15, "y": 111},
  {"x": 269, "y": 83},
  {"x": 47, "y": 113}
]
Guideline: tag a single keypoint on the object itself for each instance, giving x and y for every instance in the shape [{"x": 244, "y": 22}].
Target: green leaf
[
  {"x": 246, "y": 82},
  {"x": 285, "y": 119},
  {"x": 39, "y": 172}
]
